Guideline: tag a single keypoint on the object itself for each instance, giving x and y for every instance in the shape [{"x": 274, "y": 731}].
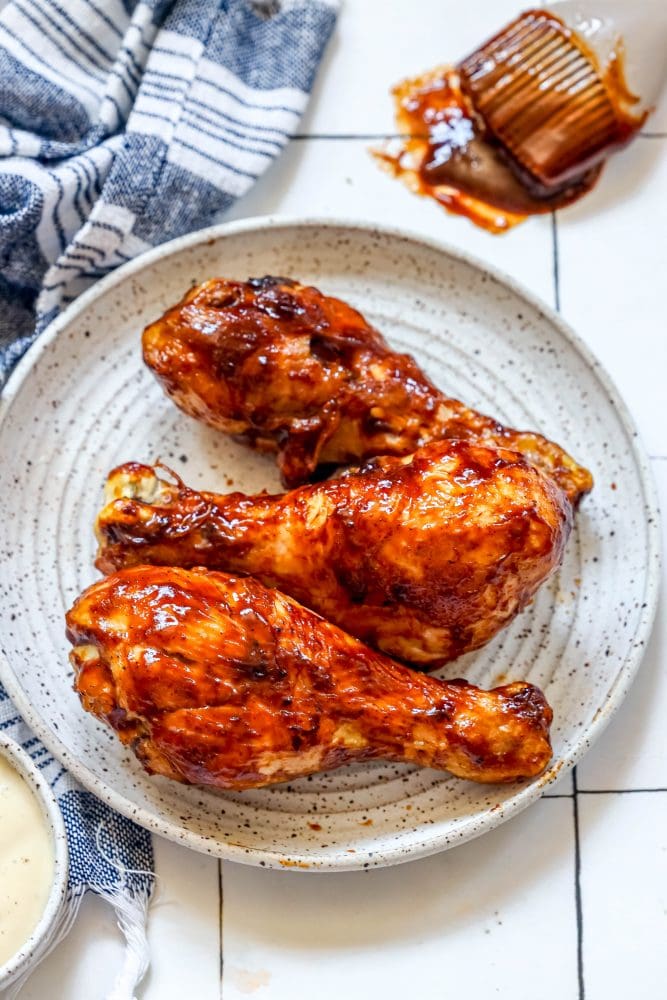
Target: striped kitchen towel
[{"x": 124, "y": 124}]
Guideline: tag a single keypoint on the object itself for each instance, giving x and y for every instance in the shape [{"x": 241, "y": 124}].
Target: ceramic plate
[{"x": 81, "y": 401}]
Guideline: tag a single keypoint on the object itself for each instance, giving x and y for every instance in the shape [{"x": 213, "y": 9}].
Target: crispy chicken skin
[
  {"x": 290, "y": 370},
  {"x": 220, "y": 681},
  {"x": 424, "y": 557}
]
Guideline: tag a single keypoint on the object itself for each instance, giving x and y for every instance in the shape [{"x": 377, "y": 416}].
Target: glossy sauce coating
[
  {"x": 288, "y": 369},
  {"x": 520, "y": 127},
  {"x": 425, "y": 557},
  {"x": 220, "y": 681},
  {"x": 448, "y": 155}
]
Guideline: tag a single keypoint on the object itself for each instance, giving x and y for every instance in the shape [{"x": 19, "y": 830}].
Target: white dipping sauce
[{"x": 26, "y": 861}]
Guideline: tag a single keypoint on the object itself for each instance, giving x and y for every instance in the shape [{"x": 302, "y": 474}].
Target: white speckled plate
[{"x": 81, "y": 401}]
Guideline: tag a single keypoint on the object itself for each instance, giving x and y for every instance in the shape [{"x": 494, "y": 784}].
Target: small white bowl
[{"x": 34, "y": 947}]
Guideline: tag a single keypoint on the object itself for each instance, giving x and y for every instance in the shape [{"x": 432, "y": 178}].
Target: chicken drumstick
[
  {"x": 291, "y": 370},
  {"x": 219, "y": 681},
  {"x": 424, "y": 557}
]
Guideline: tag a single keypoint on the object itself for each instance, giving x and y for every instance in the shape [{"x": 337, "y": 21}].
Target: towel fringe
[
  {"x": 131, "y": 906},
  {"x": 132, "y": 913}
]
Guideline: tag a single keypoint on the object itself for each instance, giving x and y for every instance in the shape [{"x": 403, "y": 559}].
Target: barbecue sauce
[{"x": 452, "y": 152}]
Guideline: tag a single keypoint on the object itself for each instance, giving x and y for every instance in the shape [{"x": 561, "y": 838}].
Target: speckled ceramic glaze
[
  {"x": 81, "y": 402},
  {"x": 38, "y": 942}
]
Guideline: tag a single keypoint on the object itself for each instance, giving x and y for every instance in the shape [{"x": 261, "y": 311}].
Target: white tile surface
[
  {"x": 340, "y": 177},
  {"x": 466, "y": 923},
  {"x": 379, "y": 42},
  {"x": 624, "y": 893},
  {"x": 184, "y": 928},
  {"x": 613, "y": 260}
]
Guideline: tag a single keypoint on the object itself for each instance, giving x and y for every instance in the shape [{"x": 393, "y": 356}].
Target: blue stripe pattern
[
  {"x": 124, "y": 123},
  {"x": 109, "y": 108}
]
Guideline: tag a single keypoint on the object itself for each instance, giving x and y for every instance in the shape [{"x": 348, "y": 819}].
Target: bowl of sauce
[{"x": 33, "y": 863}]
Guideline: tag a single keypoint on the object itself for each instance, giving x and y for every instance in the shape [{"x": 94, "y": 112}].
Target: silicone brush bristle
[{"x": 541, "y": 94}]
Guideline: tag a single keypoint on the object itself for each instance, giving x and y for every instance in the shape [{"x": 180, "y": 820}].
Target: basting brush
[{"x": 547, "y": 98}]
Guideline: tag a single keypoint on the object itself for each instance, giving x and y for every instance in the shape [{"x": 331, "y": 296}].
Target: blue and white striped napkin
[{"x": 124, "y": 124}]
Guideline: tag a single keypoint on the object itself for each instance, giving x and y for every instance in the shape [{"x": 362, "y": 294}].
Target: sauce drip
[
  {"x": 520, "y": 127},
  {"x": 26, "y": 861}
]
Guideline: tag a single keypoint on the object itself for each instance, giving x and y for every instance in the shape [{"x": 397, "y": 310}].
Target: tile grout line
[
  {"x": 577, "y": 889},
  {"x": 220, "y": 903},
  {"x": 575, "y": 790},
  {"x": 605, "y": 791},
  {"x": 555, "y": 261},
  {"x": 359, "y": 136},
  {"x": 620, "y": 791}
]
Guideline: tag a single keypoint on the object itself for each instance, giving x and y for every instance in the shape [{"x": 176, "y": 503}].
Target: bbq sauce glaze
[{"x": 451, "y": 152}]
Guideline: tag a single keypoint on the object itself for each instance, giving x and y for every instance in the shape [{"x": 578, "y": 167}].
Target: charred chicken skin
[
  {"x": 290, "y": 370},
  {"x": 220, "y": 681},
  {"x": 424, "y": 557}
]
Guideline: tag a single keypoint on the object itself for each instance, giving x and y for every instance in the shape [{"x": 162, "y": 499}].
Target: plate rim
[{"x": 432, "y": 841}]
